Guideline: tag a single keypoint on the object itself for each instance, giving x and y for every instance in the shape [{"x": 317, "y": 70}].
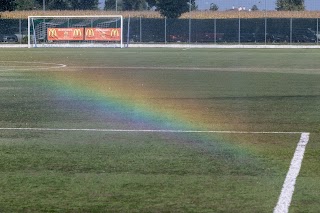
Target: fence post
[
  {"x": 190, "y": 28},
  {"x": 215, "y": 31},
  {"x": 165, "y": 30},
  {"x": 265, "y": 30},
  {"x": 265, "y": 22},
  {"x": 317, "y": 31},
  {"x": 291, "y": 30},
  {"x": 239, "y": 36},
  {"x": 20, "y": 31},
  {"x": 140, "y": 30}
]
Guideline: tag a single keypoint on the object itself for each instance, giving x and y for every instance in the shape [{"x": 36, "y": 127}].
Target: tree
[
  {"x": 7, "y": 5},
  {"x": 151, "y": 3},
  {"x": 110, "y": 5},
  {"x": 84, "y": 4},
  {"x": 54, "y": 4},
  {"x": 214, "y": 7},
  {"x": 134, "y": 5},
  {"x": 194, "y": 6},
  {"x": 254, "y": 8},
  {"x": 290, "y": 5},
  {"x": 26, "y": 5},
  {"x": 58, "y": 5},
  {"x": 173, "y": 8}
]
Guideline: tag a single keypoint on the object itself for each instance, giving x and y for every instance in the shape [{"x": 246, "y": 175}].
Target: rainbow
[
  {"x": 127, "y": 98},
  {"x": 130, "y": 104}
]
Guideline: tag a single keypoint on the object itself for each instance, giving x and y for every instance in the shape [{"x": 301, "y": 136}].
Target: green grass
[{"x": 214, "y": 89}]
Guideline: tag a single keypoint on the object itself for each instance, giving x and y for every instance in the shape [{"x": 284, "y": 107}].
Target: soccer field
[{"x": 159, "y": 130}]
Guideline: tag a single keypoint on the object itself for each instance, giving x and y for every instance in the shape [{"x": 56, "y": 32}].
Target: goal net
[{"x": 75, "y": 31}]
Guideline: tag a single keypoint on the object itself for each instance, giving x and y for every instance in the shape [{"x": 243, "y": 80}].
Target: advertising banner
[
  {"x": 65, "y": 34},
  {"x": 103, "y": 34}
]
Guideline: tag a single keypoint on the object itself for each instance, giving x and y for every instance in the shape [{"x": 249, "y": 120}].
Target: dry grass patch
[{"x": 154, "y": 14}]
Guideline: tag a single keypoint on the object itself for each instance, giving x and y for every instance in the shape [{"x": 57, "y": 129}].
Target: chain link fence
[
  {"x": 205, "y": 31},
  {"x": 234, "y": 22}
]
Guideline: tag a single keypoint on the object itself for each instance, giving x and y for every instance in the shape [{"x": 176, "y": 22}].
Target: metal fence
[
  {"x": 226, "y": 31},
  {"x": 212, "y": 31}
]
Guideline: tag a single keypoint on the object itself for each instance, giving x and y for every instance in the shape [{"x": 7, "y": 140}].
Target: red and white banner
[
  {"x": 65, "y": 34},
  {"x": 102, "y": 34}
]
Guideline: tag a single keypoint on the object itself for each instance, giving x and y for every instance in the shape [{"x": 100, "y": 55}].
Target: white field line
[
  {"x": 148, "y": 130},
  {"x": 27, "y": 65},
  {"x": 36, "y": 66},
  {"x": 290, "y": 181},
  {"x": 256, "y": 69},
  {"x": 191, "y": 46}
]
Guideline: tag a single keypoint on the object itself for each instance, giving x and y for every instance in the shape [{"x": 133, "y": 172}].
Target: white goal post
[{"x": 75, "y": 31}]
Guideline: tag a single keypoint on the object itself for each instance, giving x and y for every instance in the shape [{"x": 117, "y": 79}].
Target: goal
[{"x": 75, "y": 31}]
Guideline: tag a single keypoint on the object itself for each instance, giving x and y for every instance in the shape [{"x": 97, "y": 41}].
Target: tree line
[
  {"x": 281, "y": 5},
  {"x": 11, "y": 5},
  {"x": 167, "y": 8}
]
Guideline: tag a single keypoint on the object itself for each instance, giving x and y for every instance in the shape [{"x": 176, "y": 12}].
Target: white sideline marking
[
  {"x": 290, "y": 181},
  {"x": 150, "y": 130},
  {"x": 262, "y": 69},
  {"x": 211, "y": 46}
]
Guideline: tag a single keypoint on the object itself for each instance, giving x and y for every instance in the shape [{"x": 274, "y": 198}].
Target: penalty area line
[
  {"x": 149, "y": 130},
  {"x": 285, "y": 197}
]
